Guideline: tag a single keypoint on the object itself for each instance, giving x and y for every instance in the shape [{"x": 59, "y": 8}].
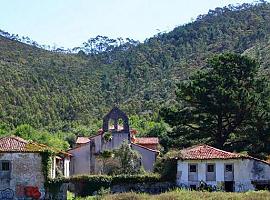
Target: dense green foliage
[
  {"x": 225, "y": 105},
  {"x": 123, "y": 160},
  {"x": 60, "y": 93},
  {"x": 129, "y": 159},
  {"x": 87, "y": 185},
  {"x": 59, "y": 140},
  {"x": 166, "y": 167}
]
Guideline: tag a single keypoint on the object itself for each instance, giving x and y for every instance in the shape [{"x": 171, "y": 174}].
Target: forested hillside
[{"x": 61, "y": 91}]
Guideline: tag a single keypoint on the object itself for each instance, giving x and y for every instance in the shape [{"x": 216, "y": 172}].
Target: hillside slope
[{"x": 57, "y": 91}]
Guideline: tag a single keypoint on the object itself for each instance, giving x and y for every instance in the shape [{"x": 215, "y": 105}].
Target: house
[
  {"x": 22, "y": 174},
  {"x": 221, "y": 169},
  {"x": 114, "y": 132}
]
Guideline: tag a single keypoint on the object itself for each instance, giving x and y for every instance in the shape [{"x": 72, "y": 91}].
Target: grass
[{"x": 184, "y": 195}]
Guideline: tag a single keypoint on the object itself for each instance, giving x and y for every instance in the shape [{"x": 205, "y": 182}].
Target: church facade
[{"x": 85, "y": 153}]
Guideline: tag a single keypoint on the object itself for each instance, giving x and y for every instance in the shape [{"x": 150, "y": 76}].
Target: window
[
  {"x": 193, "y": 172},
  {"x": 210, "y": 172},
  {"x": 210, "y": 168},
  {"x": 5, "y": 169},
  {"x": 192, "y": 168},
  {"x": 228, "y": 168},
  {"x": 5, "y": 166}
]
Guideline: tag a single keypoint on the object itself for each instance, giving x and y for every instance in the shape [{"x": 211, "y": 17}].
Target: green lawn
[{"x": 185, "y": 195}]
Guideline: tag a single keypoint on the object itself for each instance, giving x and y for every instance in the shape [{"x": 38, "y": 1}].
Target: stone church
[{"x": 85, "y": 153}]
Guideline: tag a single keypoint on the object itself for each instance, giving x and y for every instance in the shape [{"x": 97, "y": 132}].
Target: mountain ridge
[{"x": 57, "y": 91}]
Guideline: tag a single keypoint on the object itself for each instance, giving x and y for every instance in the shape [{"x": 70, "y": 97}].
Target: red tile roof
[
  {"x": 17, "y": 144},
  {"x": 12, "y": 143},
  {"x": 205, "y": 152},
  {"x": 82, "y": 140},
  {"x": 146, "y": 140}
]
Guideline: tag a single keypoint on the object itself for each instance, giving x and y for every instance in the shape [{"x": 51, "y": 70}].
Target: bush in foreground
[{"x": 186, "y": 195}]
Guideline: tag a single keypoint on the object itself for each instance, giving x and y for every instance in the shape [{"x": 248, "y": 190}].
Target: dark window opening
[
  {"x": 210, "y": 168},
  {"x": 5, "y": 166},
  {"x": 229, "y": 186},
  {"x": 5, "y": 169},
  {"x": 193, "y": 168},
  {"x": 229, "y": 168}
]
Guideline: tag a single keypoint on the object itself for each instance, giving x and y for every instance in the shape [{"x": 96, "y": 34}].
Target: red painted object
[{"x": 31, "y": 191}]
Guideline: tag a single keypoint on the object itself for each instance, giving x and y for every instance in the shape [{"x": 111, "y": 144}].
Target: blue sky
[{"x": 69, "y": 23}]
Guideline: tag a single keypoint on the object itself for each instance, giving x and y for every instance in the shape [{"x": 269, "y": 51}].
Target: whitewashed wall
[
  {"x": 80, "y": 161},
  {"x": 66, "y": 166},
  {"x": 148, "y": 158},
  {"x": 245, "y": 170}
]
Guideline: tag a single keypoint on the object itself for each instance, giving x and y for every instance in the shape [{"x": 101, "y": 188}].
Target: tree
[
  {"x": 123, "y": 160},
  {"x": 221, "y": 105},
  {"x": 129, "y": 159}
]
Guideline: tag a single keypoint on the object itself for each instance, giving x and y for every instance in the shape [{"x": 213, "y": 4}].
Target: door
[
  {"x": 229, "y": 177},
  {"x": 229, "y": 186},
  {"x": 228, "y": 172}
]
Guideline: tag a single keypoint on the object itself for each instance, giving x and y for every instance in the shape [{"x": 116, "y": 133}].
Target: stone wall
[
  {"x": 26, "y": 178},
  {"x": 57, "y": 192},
  {"x": 151, "y": 188}
]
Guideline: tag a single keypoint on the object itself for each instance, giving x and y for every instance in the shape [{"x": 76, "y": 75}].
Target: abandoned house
[
  {"x": 217, "y": 168},
  {"x": 84, "y": 159},
  {"x": 22, "y": 170}
]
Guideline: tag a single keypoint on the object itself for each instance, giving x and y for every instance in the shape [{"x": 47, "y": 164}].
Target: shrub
[
  {"x": 167, "y": 166},
  {"x": 146, "y": 178},
  {"x": 87, "y": 185},
  {"x": 90, "y": 184}
]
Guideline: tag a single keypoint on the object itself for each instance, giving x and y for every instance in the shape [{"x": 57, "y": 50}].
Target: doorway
[{"x": 229, "y": 186}]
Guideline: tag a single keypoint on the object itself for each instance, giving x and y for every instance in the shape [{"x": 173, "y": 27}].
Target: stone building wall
[{"x": 26, "y": 178}]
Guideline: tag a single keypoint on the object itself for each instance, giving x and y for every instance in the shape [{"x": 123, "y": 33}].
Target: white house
[{"x": 225, "y": 170}]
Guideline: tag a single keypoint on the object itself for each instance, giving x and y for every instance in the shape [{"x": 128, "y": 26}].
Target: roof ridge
[
  {"x": 211, "y": 147},
  {"x": 223, "y": 150},
  {"x": 16, "y": 138}
]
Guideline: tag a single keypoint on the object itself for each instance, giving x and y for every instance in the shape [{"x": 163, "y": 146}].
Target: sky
[{"x": 69, "y": 23}]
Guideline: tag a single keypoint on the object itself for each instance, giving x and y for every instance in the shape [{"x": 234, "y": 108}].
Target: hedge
[
  {"x": 88, "y": 184},
  {"x": 145, "y": 178}
]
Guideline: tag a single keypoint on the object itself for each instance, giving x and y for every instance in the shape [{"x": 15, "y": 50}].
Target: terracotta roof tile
[
  {"x": 205, "y": 152},
  {"x": 17, "y": 144},
  {"x": 12, "y": 143},
  {"x": 146, "y": 140}
]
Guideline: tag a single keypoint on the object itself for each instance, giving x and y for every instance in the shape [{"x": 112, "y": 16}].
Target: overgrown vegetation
[
  {"x": 123, "y": 160},
  {"x": 166, "y": 165},
  {"x": 65, "y": 95},
  {"x": 187, "y": 195},
  {"x": 90, "y": 184},
  {"x": 225, "y": 105}
]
